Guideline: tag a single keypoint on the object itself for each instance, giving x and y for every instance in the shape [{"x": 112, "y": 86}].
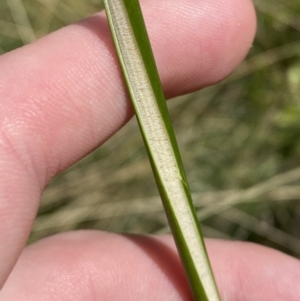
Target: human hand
[{"x": 61, "y": 98}]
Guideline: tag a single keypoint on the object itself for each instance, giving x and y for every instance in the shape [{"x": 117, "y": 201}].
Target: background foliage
[{"x": 239, "y": 141}]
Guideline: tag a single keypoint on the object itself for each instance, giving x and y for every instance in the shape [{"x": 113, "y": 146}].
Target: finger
[
  {"x": 88, "y": 266},
  {"x": 63, "y": 95}
]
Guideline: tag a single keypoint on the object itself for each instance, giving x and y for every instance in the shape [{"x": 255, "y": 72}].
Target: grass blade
[{"x": 139, "y": 69}]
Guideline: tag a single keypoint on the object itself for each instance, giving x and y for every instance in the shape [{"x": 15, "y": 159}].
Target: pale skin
[{"x": 63, "y": 96}]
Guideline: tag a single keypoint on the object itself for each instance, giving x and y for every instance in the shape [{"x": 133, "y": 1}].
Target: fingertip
[
  {"x": 211, "y": 38},
  {"x": 92, "y": 265},
  {"x": 247, "y": 271}
]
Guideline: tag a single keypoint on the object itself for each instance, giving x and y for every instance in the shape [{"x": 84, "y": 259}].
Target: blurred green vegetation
[{"x": 239, "y": 140}]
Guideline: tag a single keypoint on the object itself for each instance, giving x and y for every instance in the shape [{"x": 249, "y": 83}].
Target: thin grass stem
[{"x": 140, "y": 72}]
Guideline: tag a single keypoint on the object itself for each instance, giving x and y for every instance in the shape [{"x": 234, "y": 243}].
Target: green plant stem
[{"x": 140, "y": 72}]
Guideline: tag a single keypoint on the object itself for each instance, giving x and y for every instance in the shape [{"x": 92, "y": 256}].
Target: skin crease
[{"x": 63, "y": 96}]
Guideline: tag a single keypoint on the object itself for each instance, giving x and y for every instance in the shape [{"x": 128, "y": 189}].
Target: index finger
[{"x": 63, "y": 96}]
